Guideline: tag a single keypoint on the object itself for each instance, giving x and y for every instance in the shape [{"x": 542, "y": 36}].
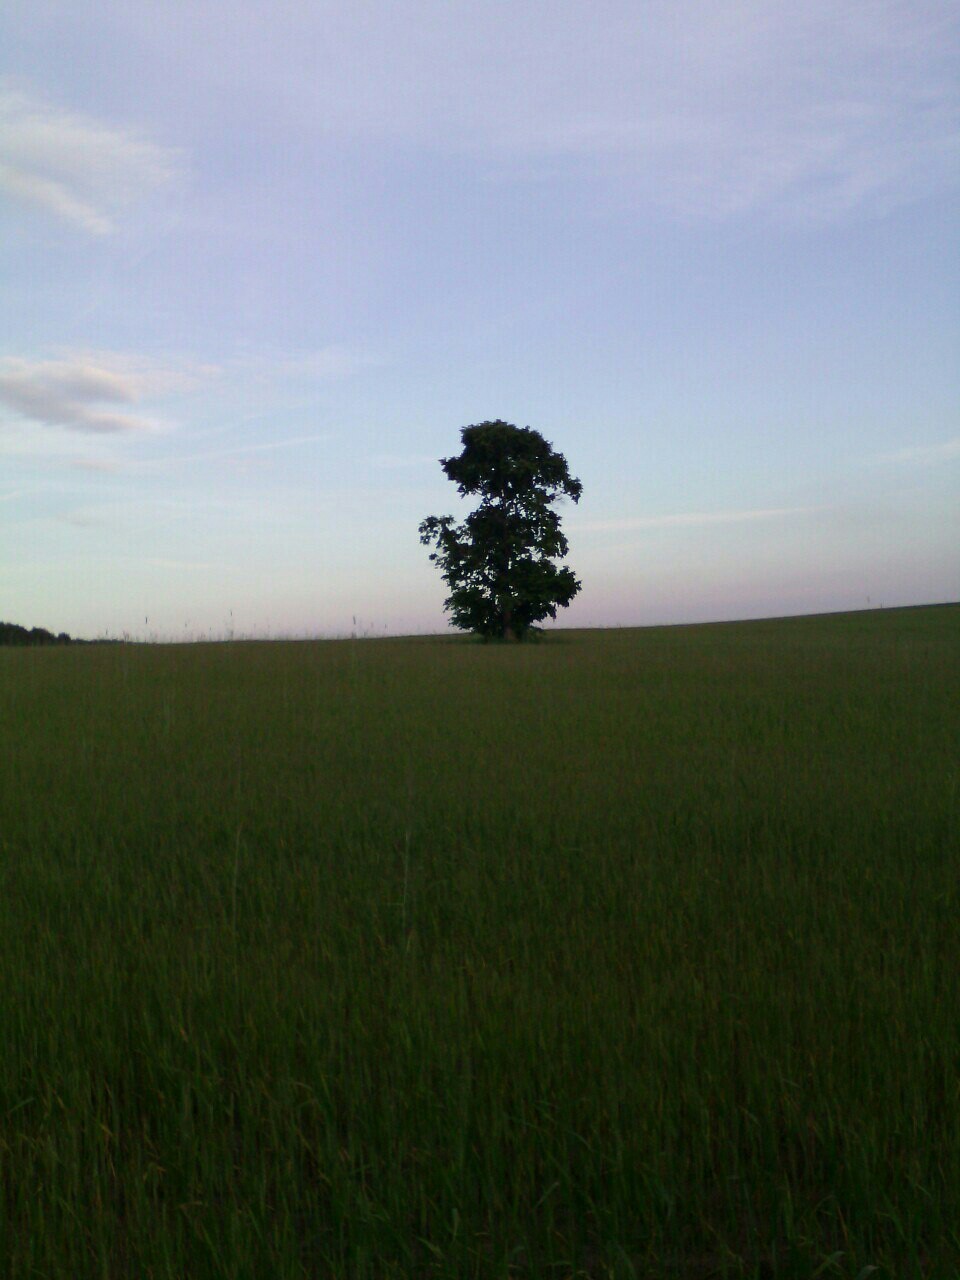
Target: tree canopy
[
  {"x": 13, "y": 633},
  {"x": 500, "y": 563}
]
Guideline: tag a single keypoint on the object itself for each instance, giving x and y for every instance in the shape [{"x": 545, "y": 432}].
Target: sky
[{"x": 261, "y": 263}]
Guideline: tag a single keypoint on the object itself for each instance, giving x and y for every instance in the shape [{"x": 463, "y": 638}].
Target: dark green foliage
[
  {"x": 500, "y": 563},
  {"x": 12, "y": 633}
]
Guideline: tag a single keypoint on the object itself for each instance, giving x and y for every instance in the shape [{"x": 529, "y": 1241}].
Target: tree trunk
[{"x": 508, "y": 632}]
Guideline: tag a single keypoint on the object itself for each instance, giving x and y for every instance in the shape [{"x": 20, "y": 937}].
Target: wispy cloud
[
  {"x": 813, "y": 111},
  {"x": 240, "y": 450},
  {"x": 178, "y": 566},
  {"x": 122, "y": 396},
  {"x": 266, "y": 367},
  {"x": 334, "y": 361},
  {"x": 79, "y": 391},
  {"x": 686, "y": 519},
  {"x": 925, "y": 454},
  {"x": 100, "y": 466},
  {"x": 401, "y": 462},
  {"x": 80, "y": 170},
  {"x": 94, "y": 392},
  {"x": 69, "y": 394}
]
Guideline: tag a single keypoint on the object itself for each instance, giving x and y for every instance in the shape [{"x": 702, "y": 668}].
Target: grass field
[{"x": 625, "y": 954}]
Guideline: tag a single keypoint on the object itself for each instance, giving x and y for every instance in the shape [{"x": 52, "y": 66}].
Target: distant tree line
[{"x": 11, "y": 633}]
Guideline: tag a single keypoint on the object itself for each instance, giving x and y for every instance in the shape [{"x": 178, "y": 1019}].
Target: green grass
[{"x": 626, "y": 954}]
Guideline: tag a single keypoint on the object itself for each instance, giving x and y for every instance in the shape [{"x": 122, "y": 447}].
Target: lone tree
[{"x": 499, "y": 564}]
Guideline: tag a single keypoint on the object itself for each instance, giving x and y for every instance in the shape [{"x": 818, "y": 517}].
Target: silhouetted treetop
[{"x": 13, "y": 633}]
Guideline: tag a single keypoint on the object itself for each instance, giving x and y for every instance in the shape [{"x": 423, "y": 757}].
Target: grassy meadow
[{"x": 624, "y": 954}]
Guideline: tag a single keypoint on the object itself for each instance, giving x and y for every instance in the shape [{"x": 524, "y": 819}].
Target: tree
[{"x": 499, "y": 564}]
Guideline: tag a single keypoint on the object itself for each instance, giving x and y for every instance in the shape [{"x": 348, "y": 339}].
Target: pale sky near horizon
[{"x": 261, "y": 263}]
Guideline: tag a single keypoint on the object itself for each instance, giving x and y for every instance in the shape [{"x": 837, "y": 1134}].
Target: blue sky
[{"x": 262, "y": 263}]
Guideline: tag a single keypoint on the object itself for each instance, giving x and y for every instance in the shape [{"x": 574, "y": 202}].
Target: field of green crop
[{"x": 624, "y": 954}]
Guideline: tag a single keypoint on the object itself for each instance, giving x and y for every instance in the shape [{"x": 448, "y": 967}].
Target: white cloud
[
  {"x": 925, "y": 454},
  {"x": 78, "y": 391},
  {"x": 80, "y": 170},
  {"x": 685, "y": 519}
]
